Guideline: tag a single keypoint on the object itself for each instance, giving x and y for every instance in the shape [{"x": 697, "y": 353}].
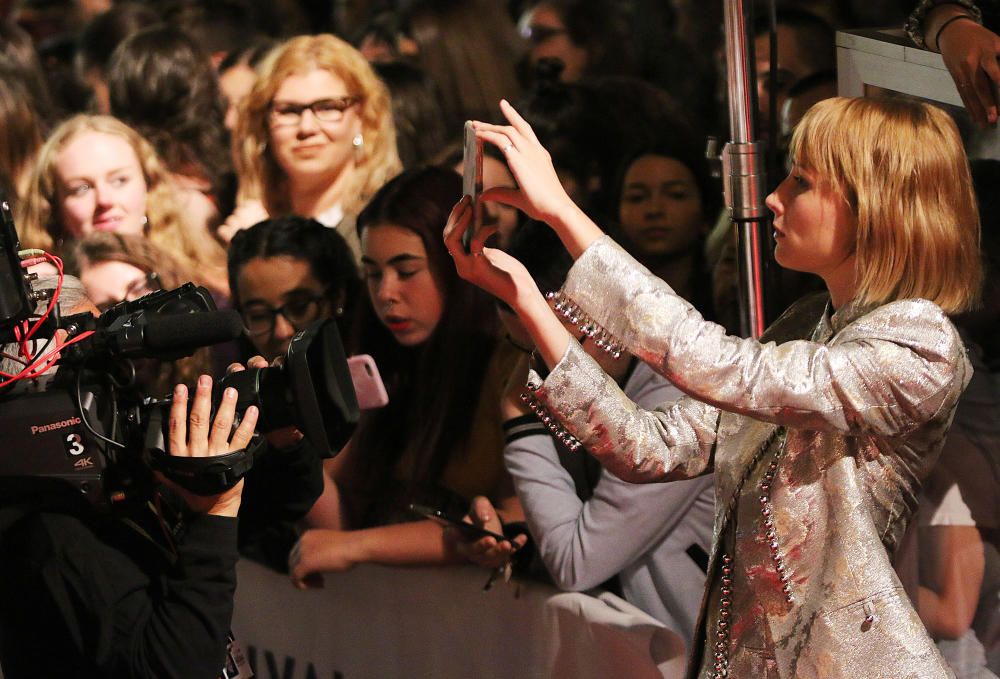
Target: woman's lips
[
  {"x": 397, "y": 324},
  {"x": 657, "y": 232},
  {"x": 307, "y": 150},
  {"x": 107, "y": 223}
]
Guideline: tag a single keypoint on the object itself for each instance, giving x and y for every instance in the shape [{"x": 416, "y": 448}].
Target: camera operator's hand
[
  {"x": 279, "y": 439},
  {"x": 194, "y": 436}
]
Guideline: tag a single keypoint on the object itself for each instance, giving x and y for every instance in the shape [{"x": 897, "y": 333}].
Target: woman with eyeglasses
[
  {"x": 315, "y": 137},
  {"x": 439, "y": 441},
  {"x": 287, "y": 273}
]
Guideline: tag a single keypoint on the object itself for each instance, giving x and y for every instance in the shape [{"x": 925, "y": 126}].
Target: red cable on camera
[
  {"x": 42, "y": 363},
  {"x": 58, "y": 263},
  {"x": 23, "y": 333}
]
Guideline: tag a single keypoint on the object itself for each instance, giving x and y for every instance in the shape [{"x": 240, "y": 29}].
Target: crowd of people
[{"x": 302, "y": 161}]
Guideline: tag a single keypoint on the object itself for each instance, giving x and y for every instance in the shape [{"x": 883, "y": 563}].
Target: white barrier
[{"x": 381, "y": 623}]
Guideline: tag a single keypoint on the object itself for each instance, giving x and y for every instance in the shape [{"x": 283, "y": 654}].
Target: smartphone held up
[{"x": 472, "y": 180}]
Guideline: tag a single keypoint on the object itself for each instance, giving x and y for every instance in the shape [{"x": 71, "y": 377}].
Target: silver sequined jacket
[{"x": 864, "y": 399}]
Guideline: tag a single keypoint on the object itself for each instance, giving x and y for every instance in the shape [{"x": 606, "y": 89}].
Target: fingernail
[
  {"x": 229, "y": 394},
  {"x": 204, "y": 381},
  {"x": 180, "y": 391},
  {"x": 252, "y": 410}
]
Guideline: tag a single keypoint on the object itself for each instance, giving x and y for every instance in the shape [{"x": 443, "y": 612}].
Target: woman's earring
[
  {"x": 339, "y": 311},
  {"x": 359, "y": 146},
  {"x": 145, "y": 220}
]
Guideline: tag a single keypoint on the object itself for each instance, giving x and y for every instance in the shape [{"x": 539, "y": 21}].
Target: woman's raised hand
[
  {"x": 505, "y": 278},
  {"x": 540, "y": 194},
  {"x": 493, "y": 270}
]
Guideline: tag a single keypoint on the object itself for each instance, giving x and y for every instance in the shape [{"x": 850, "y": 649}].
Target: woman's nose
[
  {"x": 102, "y": 195},
  {"x": 283, "y": 329},
  {"x": 307, "y": 122},
  {"x": 387, "y": 289},
  {"x": 772, "y": 202}
]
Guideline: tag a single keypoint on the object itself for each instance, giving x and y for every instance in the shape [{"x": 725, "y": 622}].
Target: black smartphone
[
  {"x": 472, "y": 179},
  {"x": 467, "y": 530}
]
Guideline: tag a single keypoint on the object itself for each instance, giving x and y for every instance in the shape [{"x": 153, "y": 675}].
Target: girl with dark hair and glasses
[{"x": 286, "y": 273}]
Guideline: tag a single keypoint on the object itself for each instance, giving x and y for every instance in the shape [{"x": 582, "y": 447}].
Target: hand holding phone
[
  {"x": 467, "y": 530},
  {"x": 472, "y": 179}
]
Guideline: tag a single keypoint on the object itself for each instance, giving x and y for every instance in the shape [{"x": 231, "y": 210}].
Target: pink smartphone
[{"x": 367, "y": 382}]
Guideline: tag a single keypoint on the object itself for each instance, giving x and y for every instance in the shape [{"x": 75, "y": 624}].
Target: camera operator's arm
[
  {"x": 84, "y": 593},
  {"x": 181, "y": 631}
]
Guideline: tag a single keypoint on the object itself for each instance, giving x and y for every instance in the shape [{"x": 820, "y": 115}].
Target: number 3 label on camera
[
  {"x": 74, "y": 445},
  {"x": 75, "y": 450}
]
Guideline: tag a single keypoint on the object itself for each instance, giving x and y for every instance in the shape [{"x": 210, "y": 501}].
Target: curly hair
[
  {"x": 261, "y": 178},
  {"x": 38, "y": 214}
]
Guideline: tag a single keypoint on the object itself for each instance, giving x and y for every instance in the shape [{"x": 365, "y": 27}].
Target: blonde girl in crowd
[{"x": 95, "y": 173}]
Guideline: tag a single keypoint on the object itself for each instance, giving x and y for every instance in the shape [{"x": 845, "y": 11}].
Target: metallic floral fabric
[{"x": 861, "y": 400}]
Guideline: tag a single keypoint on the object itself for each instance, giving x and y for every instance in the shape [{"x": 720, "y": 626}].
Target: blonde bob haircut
[
  {"x": 38, "y": 219},
  {"x": 901, "y": 167},
  {"x": 261, "y": 178}
]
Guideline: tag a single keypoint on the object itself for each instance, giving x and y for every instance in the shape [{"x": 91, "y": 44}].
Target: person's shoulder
[
  {"x": 40, "y": 534},
  {"x": 907, "y": 312},
  {"x": 915, "y": 322}
]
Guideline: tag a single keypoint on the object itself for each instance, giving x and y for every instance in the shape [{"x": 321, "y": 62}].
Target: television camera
[{"x": 75, "y": 420}]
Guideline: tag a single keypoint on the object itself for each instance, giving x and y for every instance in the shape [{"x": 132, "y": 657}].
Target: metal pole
[{"x": 743, "y": 167}]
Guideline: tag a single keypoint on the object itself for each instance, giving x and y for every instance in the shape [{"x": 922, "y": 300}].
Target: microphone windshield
[{"x": 183, "y": 332}]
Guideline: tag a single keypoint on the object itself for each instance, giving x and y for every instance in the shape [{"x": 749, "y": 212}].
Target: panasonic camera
[{"x": 75, "y": 420}]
